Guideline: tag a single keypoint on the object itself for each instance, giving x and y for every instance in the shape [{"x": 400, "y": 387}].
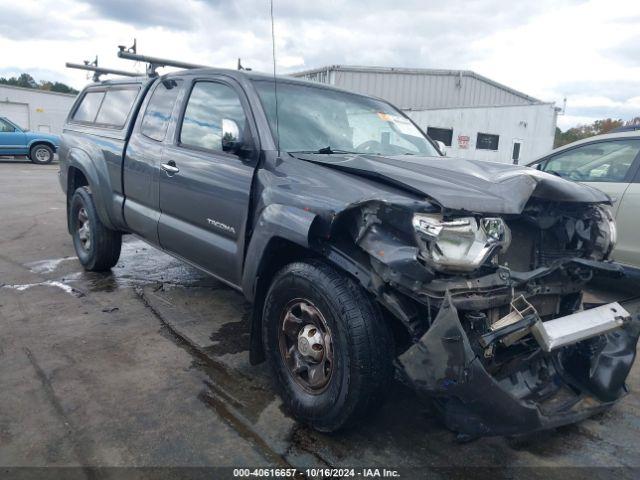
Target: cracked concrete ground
[{"x": 148, "y": 366}]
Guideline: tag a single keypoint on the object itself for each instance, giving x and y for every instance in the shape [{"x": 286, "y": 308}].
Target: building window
[
  {"x": 486, "y": 141},
  {"x": 445, "y": 135}
]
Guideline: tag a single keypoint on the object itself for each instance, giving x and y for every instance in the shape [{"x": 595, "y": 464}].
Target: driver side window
[
  {"x": 595, "y": 162},
  {"x": 208, "y": 105},
  {"x": 5, "y": 127}
]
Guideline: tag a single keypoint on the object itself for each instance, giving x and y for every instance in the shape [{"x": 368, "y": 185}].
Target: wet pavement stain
[
  {"x": 210, "y": 321},
  {"x": 139, "y": 264},
  {"x": 232, "y": 337},
  {"x": 243, "y": 401},
  {"x": 244, "y": 392},
  {"x": 246, "y": 430},
  {"x": 47, "y": 266},
  {"x": 234, "y": 397},
  {"x": 404, "y": 432},
  {"x": 48, "y": 283}
]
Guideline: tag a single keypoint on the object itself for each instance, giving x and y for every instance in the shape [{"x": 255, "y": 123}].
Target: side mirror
[
  {"x": 231, "y": 136},
  {"x": 441, "y": 146}
]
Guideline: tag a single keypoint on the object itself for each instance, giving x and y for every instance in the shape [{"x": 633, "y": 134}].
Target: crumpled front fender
[{"x": 443, "y": 366}]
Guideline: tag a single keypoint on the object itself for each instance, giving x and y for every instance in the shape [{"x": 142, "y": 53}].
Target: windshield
[{"x": 321, "y": 120}]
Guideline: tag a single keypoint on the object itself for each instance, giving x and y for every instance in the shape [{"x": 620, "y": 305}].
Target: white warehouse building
[
  {"x": 36, "y": 110},
  {"x": 472, "y": 115}
]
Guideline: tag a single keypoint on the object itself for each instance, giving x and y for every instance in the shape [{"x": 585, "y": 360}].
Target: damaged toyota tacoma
[{"x": 363, "y": 250}]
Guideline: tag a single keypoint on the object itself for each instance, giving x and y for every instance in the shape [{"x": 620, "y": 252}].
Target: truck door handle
[{"x": 170, "y": 167}]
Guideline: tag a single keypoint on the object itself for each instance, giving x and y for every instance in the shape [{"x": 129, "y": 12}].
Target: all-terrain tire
[
  {"x": 41, "y": 154},
  {"x": 102, "y": 250},
  {"x": 362, "y": 346}
]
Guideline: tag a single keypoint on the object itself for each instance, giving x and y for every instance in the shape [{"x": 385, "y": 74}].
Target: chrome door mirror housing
[{"x": 231, "y": 136}]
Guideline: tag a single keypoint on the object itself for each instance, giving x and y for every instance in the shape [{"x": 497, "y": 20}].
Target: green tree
[
  {"x": 606, "y": 125},
  {"x": 25, "y": 80},
  {"x": 63, "y": 88},
  {"x": 598, "y": 127}
]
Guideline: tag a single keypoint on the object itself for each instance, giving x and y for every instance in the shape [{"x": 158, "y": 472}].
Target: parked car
[
  {"x": 358, "y": 245},
  {"x": 15, "y": 141},
  {"x": 610, "y": 163},
  {"x": 627, "y": 128}
]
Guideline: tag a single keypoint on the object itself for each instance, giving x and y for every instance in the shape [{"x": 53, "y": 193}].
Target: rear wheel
[
  {"x": 97, "y": 247},
  {"x": 327, "y": 344},
  {"x": 41, "y": 154}
]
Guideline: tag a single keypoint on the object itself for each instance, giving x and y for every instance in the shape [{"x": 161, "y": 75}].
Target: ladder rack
[
  {"x": 154, "y": 63},
  {"x": 97, "y": 71}
]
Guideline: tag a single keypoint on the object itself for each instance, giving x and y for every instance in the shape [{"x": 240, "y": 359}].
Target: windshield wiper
[{"x": 325, "y": 151}]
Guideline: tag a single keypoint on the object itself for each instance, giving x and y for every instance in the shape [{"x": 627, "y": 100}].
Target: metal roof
[
  {"x": 238, "y": 75},
  {"x": 418, "y": 88}
]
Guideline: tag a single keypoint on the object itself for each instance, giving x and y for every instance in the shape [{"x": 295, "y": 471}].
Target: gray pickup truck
[{"x": 365, "y": 253}]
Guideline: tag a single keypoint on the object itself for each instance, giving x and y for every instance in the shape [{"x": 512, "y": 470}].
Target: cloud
[
  {"x": 585, "y": 50},
  {"x": 596, "y": 107},
  {"x": 23, "y": 22},
  {"x": 627, "y": 52},
  {"x": 146, "y": 13}
]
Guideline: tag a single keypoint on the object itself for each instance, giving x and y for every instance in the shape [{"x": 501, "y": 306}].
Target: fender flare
[
  {"x": 47, "y": 142},
  {"x": 99, "y": 183},
  {"x": 275, "y": 221}
]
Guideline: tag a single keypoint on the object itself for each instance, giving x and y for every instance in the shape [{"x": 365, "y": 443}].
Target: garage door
[{"x": 18, "y": 113}]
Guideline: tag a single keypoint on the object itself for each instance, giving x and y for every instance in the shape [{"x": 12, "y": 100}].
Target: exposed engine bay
[{"x": 492, "y": 308}]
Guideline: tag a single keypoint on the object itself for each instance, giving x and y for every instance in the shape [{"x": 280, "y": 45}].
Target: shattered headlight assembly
[{"x": 461, "y": 244}]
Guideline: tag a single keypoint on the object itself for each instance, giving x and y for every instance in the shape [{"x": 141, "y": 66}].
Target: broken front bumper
[{"x": 557, "y": 385}]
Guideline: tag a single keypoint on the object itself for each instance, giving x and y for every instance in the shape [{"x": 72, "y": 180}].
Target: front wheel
[
  {"x": 41, "y": 154},
  {"x": 327, "y": 344},
  {"x": 97, "y": 247}
]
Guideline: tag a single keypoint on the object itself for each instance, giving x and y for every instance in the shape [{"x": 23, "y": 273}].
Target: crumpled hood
[{"x": 457, "y": 184}]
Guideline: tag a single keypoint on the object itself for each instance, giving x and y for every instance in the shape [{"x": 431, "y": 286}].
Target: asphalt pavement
[{"x": 147, "y": 366}]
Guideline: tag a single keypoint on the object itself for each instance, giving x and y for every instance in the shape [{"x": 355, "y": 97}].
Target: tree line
[
  {"x": 598, "y": 127},
  {"x": 25, "y": 80}
]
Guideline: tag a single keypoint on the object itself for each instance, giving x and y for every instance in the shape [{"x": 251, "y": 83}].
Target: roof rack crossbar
[
  {"x": 97, "y": 71},
  {"x": 156, "y": 62}
]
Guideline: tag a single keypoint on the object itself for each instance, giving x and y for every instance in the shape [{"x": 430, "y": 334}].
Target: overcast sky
[{"x": 586, "y": 51}]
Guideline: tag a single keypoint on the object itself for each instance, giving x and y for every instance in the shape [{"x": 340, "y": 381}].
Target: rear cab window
[
  {"x": 107, "y": 107},
  {"x": 88, "y": 107},
  {"x": 116, "y": 106}
]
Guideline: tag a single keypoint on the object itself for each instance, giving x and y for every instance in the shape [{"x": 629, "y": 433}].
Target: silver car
[{"x": 610, "y": 163}]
